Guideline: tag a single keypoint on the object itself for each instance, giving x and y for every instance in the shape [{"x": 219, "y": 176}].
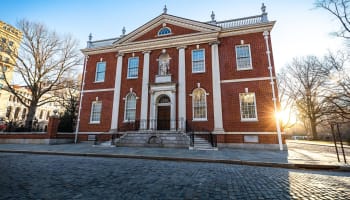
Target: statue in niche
[{"x": 163, "y": 66}]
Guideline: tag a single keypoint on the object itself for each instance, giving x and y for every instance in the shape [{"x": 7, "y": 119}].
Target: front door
[{"x": 163, "y": 119}]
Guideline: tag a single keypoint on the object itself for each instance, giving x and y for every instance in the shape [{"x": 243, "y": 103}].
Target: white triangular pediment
[{"x": 168, "y": 19}]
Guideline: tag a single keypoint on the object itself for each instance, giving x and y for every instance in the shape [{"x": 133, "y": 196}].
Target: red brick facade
[{"x": 191, "y": 36}]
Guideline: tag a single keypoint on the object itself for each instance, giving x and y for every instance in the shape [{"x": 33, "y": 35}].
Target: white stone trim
[
  {"x": 250, "y": 133},
  {"x": 218, "y": 125},
  {"x": 116, "y": 98},
  {"x": 168, "y": 19},
  {"x": 144, "y": 94},
  {"x": 182, "y": 89},
  {"x": 99, "y": 90},
  {"x": 90, "y": 133},
  {"x": 158, "y": 43},
  {"x": 156, "y": 91},
  {"x": 247, "y": 80}
]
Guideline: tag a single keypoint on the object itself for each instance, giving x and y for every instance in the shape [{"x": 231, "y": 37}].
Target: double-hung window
[
  {"x": 248, "y": 106},
  {"x": 130, "y": 107},
  {"x": 100, "y": 71},
  {"x": 243, "y": 57},
  {"x": 199, "y": 104},
  {"x": 198, "y": 61},
  {"x": 133, "y": 67},
  {"x": 96, "y": 109}
]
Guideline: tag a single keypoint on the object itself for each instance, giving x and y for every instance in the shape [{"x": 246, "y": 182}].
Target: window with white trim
[
  {"x": 100, "y": 71},
  {"x": 248, "y": 106},
  {"x": 130, "y": 107},
  {"x": 198, "y": 61},
  {"x": 96, "y": 108},
  {"x": 164, "y": 31},
  {"x": 243, "y": 57},
  {"x": 199, "y": 104},
  {"x": 133, "y": 67}
]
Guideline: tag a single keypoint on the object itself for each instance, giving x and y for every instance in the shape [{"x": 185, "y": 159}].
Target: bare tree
[
  {"x": 339, "y": 9},
  {"x": 286, "y": 101},
  {"x": 306, "y": 80},
  {"x": 339, "y": 87},
  {"x": 42, "y": 62},
  {"x": 69, "y": 99}
]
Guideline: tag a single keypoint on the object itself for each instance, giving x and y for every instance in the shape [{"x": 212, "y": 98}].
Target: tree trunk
[
  {"x": 313, "y": 129},
  {"x": 30, "y": 116}
]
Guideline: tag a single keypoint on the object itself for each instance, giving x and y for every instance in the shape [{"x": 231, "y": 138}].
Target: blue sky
[{"x": 300, "y": 29}]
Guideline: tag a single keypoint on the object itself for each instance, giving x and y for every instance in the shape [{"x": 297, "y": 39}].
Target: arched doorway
[{"x": 163, "y": 112}]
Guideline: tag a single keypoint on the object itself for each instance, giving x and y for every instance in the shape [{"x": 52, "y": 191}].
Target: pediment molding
[{"x": 168, "y": 19}]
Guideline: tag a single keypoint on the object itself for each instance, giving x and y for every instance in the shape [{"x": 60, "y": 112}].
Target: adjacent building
[
  {"x": 174, "y": 74},
  {"x": 10, "y": 38}
]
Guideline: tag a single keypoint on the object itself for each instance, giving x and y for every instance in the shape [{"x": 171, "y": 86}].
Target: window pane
[
  {"x": 130, "y": 107},
  {"x": 164, "y": 31},
  {"x": 100, "y": 71},
  {"x": 133, "y": 67},
  {"x": 243, "y": 57},
  {"x": 198, "y": 60},
  {"x": 96, "y": 111},
  {"x": 199, "y": 104},
  {"x": 248, "y": 107}
]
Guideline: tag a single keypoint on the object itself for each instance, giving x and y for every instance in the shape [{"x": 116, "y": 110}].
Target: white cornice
[
  {"x": 164, "y": 18},
  {"x": 99, "y": 90},
  {"x": 180, "y": 40},
  {"x": 246, "y": 80}
]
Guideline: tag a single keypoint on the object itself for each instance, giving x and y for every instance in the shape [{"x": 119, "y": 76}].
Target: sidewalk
[{"x": 294, "y": 158}]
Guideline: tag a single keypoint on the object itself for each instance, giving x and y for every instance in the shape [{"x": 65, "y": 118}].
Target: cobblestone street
[{"x": 26, "y": 176}]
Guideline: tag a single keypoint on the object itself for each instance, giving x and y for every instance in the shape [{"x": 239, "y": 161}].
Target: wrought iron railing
[{"x": 202, "y": 132}]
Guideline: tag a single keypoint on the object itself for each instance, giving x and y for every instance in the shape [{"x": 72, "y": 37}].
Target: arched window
[
  {"x": 199, "y": 104},
  {"x": 24, "y": 113},
  {"x": 130, "y": 107},
  {"x": 8, "y": 111},
  {"x": 16, "y": 113},
  {"x": 41, "y": 114},
  {"x": 163, "y": 99},
  {"x": 164, "y": 31}
]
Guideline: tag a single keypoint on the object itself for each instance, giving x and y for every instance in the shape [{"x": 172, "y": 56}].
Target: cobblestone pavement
[{"x": 26, "y": 176}]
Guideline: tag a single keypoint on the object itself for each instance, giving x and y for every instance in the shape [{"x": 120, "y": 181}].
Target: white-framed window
[
  {"x": 198, "y": 61},
  {"x": 199, "y": 104},
  {"x": 96, "y": 109},
  {"x": 164, "y": 31},
  {"x": 243, "y": 57},
  {"x": 100, "y": 71},
  {"x": 247, "y": 103},
  {"x": 133, "y": 67},
  {"x": 130, "y": 107}
]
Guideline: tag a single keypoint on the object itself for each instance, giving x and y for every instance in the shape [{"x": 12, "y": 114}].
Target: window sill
[
  {"x": 249, "y": 120},
  {"x": 199, "y": 72},
  {"x": 199, "y": 120},
  {"x": 129, "y": 121},
  {"x": 99, "y": 81},
  {"x": 95, "y": 122},
  {"x": 246, "y": 69},
  {"x": 131, "y": 77}
]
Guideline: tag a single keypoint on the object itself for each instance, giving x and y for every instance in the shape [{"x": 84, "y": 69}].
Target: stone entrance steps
[
  {"x": 202, "y": 144},
  {"x": 153, "y": 139}
]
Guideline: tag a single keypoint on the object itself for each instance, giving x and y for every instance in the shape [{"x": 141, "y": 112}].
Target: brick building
[{"x": 179, "y": 75}]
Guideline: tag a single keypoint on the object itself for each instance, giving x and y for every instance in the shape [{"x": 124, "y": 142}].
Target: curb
[{"x": 184, "y": 159}]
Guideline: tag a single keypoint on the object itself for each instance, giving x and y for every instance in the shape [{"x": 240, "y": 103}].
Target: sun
[{"x": 287, "y": 116}]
